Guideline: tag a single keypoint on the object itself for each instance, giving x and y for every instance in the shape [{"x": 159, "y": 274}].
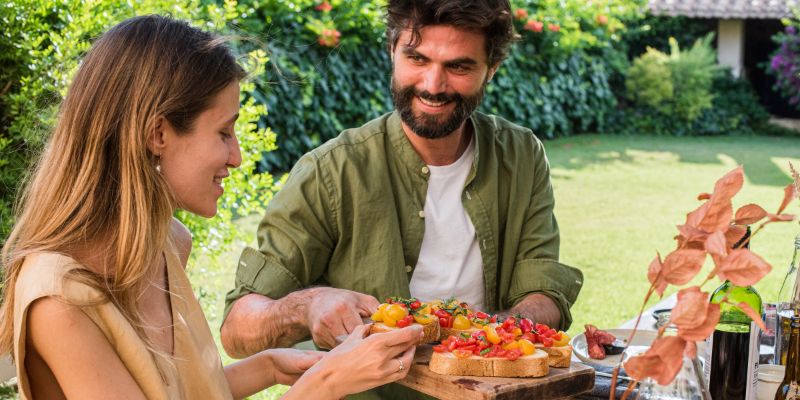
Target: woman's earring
[{"x": 158, "y": 163}]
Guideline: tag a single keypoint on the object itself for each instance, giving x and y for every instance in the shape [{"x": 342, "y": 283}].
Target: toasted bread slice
[
  {"x": 534, "y": 365},
  {"x": 430, "y": 331},
  {"x": 558, "y": 356}
]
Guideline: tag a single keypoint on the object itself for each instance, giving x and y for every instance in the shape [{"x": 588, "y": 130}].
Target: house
[{"x": 744, "y": 38}]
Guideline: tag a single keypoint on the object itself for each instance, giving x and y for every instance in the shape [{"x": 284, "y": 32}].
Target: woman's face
[{"x": 195, "y": 163}]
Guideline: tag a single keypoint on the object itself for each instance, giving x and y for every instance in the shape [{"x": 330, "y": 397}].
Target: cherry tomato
[
  {"x": 493, "y": 319},
  {"x": 440, "y": 348},
  {"x": 395, "y": 312},
  {"x": 526, "y": 347},
  {"x": 406, "y": 321},
  {"x": 513, "y": 354},
  {"x": 481, "y": 315},
  {"x": 547, "y": 342},
  {"x": 415, "y": 305},
  {"x": 461, "y": 322},
  {"x": 441, "y": 313},
  {"x": 526, "y": 325}
]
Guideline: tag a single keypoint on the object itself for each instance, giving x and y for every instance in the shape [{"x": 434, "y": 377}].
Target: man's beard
[{"x": 427, "y": 125}]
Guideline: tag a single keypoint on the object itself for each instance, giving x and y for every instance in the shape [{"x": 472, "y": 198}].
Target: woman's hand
[
  {"x": 360, "y": 363},
  {"x": 289, "y": 364}
]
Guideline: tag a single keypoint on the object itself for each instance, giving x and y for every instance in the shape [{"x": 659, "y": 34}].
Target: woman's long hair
[{"x": 96, "y": 180}]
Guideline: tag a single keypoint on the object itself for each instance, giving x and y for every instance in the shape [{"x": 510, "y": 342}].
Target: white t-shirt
[{"x": 449, "y": 263}]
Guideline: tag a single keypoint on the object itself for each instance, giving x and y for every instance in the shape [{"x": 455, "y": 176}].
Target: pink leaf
[
  {"x": 718, "y": 215},
  {"x": 749, "y": 214},
  {"x": 702, "y": 331},
  {"x": 752, "y": 314},
  {"x": 693, "y": 315},
  {"x": 681, "y": 266},
  {"x": 789, "y": 193},
  {"x": 652, "y": 275},
  {"x": 661, "y": 361},
  {"x": 730, "y": 184},
  {"x": 743, "y": 267},
  {"x": 703, "y": 196},
  {"x": 694, "y": 218},
  {"x": 734, "y": 234},
  {"x": 716, "y": 243}
]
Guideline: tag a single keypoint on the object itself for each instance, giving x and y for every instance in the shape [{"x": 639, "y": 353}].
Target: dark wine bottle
[
  {"x": 730, "y": 367},
  {"x": 788, "y": 388}
]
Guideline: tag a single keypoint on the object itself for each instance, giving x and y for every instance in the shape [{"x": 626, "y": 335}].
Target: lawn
[{"x": 618, "y": 200}]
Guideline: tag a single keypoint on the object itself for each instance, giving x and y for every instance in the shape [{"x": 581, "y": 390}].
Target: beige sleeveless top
[{"x": 195, "y": 372}]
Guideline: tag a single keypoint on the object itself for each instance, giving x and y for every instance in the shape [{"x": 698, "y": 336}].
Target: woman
[{"x": 97, "y": 303}]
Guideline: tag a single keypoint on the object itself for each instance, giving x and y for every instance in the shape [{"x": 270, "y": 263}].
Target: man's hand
[{"x": 336, "y": 312}]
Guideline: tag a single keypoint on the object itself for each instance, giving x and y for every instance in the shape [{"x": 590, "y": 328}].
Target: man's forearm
[
  {"x": 257, "y": 322},
  {"x": 539, "y": 308}
]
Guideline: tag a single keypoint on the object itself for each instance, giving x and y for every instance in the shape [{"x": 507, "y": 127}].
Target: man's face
[{"x": 439, "y": 83}]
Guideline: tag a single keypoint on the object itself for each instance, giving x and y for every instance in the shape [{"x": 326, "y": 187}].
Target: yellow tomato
[
  {"x": 511, "y": 345},
  {"x": 425, "y": 310},
  {"x": 526, "y": 346},
  {"x": 564, "y": 339},
  {"x": 389, "y": 321},
  {"x": 395, "y": 312},
  {"x": 492, "y": 335},
  {"x": 377, "y": 316},
  {"x": 517, "y": 332},
  {"x": 424, "y": 319},
  {"x": 461, "y": 322}
]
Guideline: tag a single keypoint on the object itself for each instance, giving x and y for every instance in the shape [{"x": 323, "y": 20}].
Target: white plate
[{"x": 639, "y": 344}]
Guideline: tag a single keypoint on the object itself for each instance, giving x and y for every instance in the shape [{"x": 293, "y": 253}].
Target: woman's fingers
[{"x": 401, "y": 337}]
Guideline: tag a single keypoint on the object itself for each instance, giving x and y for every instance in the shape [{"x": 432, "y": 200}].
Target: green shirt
[{"x": 350, "y": 216}]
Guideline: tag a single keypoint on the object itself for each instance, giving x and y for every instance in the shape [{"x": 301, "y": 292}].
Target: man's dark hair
[{"x": 490, "y": 17}]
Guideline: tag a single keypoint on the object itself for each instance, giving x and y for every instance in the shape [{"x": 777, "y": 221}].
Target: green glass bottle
[
  {"x": 732, "y": 371},
  {"x": 788, "y": 389}
]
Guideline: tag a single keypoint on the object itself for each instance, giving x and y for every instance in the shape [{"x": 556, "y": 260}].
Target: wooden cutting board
[{"x": 559, "y": 383}]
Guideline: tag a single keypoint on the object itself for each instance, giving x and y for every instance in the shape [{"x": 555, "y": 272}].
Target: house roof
[{"x": 725, "y": 9}]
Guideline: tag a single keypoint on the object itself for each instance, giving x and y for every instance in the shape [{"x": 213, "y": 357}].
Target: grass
[{"x": 618, "y": 200}]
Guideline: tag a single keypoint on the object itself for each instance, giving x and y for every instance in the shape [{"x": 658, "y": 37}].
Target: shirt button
[
  {"x": 421, "y": 214},
  {"x": 425, "y": 170},
  {"x": 409, "y": 268}
]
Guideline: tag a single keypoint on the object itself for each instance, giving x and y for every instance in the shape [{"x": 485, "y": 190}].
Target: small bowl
[{"x": 662, "y": 316}]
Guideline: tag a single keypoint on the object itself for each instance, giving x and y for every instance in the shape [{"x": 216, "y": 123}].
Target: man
[{"x": 433, "y": 200}]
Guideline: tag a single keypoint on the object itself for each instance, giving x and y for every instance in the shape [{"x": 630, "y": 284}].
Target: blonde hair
[{"x": 96, "y": 178}]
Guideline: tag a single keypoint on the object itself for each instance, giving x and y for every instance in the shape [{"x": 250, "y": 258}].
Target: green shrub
[
  {"x": 649, "y": 81},
  {"x": 677, "y": 85},
  {"x": 735, "y": 110},
  {"x": 42, "y": 44}
]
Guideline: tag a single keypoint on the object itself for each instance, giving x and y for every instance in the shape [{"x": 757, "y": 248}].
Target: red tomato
[
  {"x": 541, "y": 328},
  {"x": 547, "y": 342},
  {"x": 513, "y": 354},
  {"x": 415, "y": 305},
  {"x": 443, "y": 322},
  {"x": 526, "y": 325},
  {"x": 440, "y": 348},
  {"x": 481, "y": 315},
  {"x": 406, "y": 321},
  {"x": 479, "y": 334},
  {"x": 441, "y": 313},
  {"x": 452, "y": 345},
  {"x": 509, "y": 322},
  {"x": 556, "y": 337},
  {"x": 551, "y": 332},
  {"x": 493, "y": 319},
  {"x": 450, "y": 321}
]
